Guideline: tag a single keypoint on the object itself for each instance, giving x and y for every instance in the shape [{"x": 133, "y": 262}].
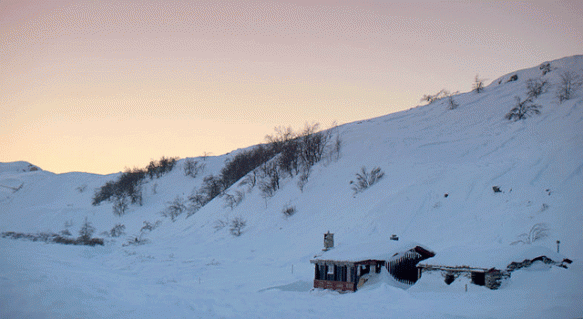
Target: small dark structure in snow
[
  {"x": 346, "y": 268},
  {"x": 495, "y": 265},
  {"x": 491, "y": 278}
]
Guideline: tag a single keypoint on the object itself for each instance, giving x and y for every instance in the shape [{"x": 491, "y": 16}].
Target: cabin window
[
  {"x": 330, "y": 270},
  {"x": 364, "y": 269},
  {"x": 322, "y": 272}
]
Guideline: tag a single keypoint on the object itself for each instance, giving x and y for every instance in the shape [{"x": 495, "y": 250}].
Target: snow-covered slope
[{"x": 440, "y": 166}]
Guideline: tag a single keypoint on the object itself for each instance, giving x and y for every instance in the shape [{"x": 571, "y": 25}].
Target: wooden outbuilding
[{"x": 489, "y": 267}]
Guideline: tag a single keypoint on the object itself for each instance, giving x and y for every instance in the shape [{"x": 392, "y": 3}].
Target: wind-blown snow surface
[{"x": 189, "y": 269}]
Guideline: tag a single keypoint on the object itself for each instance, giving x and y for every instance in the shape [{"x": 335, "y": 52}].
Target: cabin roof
[{"x": 356, "y": 252}]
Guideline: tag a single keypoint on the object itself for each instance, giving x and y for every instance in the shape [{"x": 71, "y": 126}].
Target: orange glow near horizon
[{"x": 99, "y": 86}]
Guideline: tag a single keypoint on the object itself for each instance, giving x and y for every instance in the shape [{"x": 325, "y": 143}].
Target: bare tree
[
  {"x": 120, "y": 205},
  {"x": 451, "y": 103},
  {"x": 86, "y": 231},
  {"x": 193, "y": 168},
  {"x": 220, "y": 224},
  {"x": 175, "y": 208},
  {"x": 282, "y": 136},
  {"x": 523, "y": 109},
  {"x": 366, "y": 179},
  {"x": 234, "y": 200},
  {"x": 250, "y": 180},
  {"x": 117, "y": 230},
  {"x": 432, "y": 98},
  {"x": 537, "y": 87},
  {"x": 313, "y": 143},
  {"x": 568, "y": 86},
  {"x": 270, "y": 177},
  {"x": 478, "y": 85},
  {"x": 150, "y": 226},
  {"x": 237, "y": 225}
]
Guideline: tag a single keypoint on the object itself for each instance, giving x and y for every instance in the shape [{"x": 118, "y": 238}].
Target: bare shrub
[
  {"x": 49, "y": 237},
  {"x": 137, "y": 240},
  {"x": 128, "y": 184},
  {"x": 451, "y": 103},
  {"x": 220, "y": 224},
  {"x": 212, "y": 187},
  {"x": 537, "y": 232},
  {"x": 244, "y": 162},
  {"x": 234, "y": 200},
  {"x": 175, "y": 208},
  {"x": 333, "y": 150},
  {"x": 570, "y": 83},
  {"x": 150, "y": 226},
  {"x": 313, "y": 144},
  {"x": 536, "y": 87},
  {"x": 523, "y": 109},
  {"x": 249, "y": 181},
  {"x": 193, "y": 168},
  {"x": 303, "y": 180},
  {"x": 365, "y": 179},
  {"x": 65, "y": 232},
  {"x": 82, "y": 188},
  {"x": 237, "y": 225},
  {"x": 270, "y": 178},
  {"x": 86, "y": 231},
  {"x": 161, "y": 167},
  {"x": 288, "y": 210},
  {"x": 280, "y": 138},
  {"x": 117, "y": 230},
  {"x": 120, "y": 205},
  {"x": 337, "y": 147},
  {"x": 478, "y": 85},
  {"x": 430, "y": 98},
  {"x": 195, "y": 202},
  {"x": 288, "y": 159}
]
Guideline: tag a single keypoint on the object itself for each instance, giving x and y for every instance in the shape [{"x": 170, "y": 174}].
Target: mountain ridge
[{"x": 440, "y": 165}]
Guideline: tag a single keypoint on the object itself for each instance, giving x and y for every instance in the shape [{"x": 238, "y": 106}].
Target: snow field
[{"x": 189, "y": 269}]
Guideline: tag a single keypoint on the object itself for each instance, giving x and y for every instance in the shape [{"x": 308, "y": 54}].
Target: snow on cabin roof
[
  {"x": 498, "y": 257},
  {"x": 377, "y": 250}
]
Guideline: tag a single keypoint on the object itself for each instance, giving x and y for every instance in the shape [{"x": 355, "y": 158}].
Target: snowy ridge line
[{"x": 440, "y": 166}]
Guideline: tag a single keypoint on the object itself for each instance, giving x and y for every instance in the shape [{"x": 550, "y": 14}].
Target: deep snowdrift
[{"x": 190, "y": 269}]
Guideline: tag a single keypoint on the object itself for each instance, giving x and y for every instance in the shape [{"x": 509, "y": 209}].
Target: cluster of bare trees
[
  {"x": 127, "y": 189},
  {"x": 285, "y": 154},
  {"x": 567, "y": 87},
  {"x": 443, "y": 94}
]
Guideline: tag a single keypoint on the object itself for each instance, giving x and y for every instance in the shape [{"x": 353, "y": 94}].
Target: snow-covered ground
[{"x": 188, "y": 269}]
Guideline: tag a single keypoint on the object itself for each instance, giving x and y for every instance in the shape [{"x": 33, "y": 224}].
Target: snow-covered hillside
[{"x": 440, "y": 169}]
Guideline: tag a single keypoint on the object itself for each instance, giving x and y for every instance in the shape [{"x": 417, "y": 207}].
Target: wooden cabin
[
  {"x": 344, "y": 275},
  {"x": 348, "y": 267}
]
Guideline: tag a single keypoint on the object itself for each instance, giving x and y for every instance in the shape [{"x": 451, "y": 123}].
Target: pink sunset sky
[{"x": 97, "y": 86}]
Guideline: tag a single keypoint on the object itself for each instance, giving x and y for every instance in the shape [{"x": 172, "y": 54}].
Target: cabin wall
[{"x": 337, "y": 277}]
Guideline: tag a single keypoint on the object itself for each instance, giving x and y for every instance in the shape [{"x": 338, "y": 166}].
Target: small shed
[
  {"x": 490, "y": 266},
  {"x": 347, "y": 267}
]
